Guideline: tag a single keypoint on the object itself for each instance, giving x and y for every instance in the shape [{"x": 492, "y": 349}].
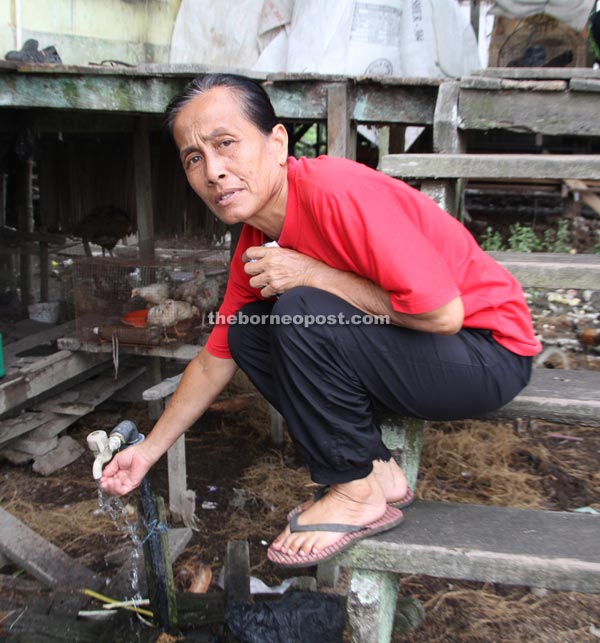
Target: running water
[{"x": 115, "y": 508}]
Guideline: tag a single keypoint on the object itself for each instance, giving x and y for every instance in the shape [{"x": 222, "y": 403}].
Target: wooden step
[
  {"x": 552, "y": 270},
  {"x": 557, "y": 395},
  {"x": 491, "y": 166},
  {"x": 557, "y": 550}
]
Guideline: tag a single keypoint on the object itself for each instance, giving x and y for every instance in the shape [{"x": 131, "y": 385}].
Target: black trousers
[{"x": 328, "y": 370}]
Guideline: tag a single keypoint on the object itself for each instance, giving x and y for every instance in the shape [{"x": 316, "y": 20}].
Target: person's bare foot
[
  {"x": 391, "y": 479},
  {"x": 359, "y": 502}
]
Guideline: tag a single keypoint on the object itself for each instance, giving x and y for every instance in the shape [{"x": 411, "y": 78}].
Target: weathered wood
[
  {"x": 237, "y": 573},
  {"x": 341, "y": 131},
  {"x": 492, "y": 166},
  {"x": 183, "y": 352},
  {"x": 551, "y": 549},
  {"x": 585, "y": 84},
  {"x": 43, "y": 375},
  {"x": 143, "y": 190},
  {"x": 552, "y": 270},
  {"x": 557, "y": 395},
  {"x": 370, "y": 606},
  {"x": 119, "y": 586},
  {"x": 37, "y": 627},
  {"x": 558, "y": 113},
  {"x": 42, "y": 559},
  {"x": 587, "y": 196},
  {"x": 163, "y": 389},
  {"x": 403, "y": 436},
  {"x": 200, "y": 609},
  {"x": 11, "y": 351},
  {"x": 43, "y": 423},
  {"x": 538, "y": 73},
  {"x": 182, "y": 501},
  {"x": 67, "y": 451},
  {"x": 481, "y": 82}
]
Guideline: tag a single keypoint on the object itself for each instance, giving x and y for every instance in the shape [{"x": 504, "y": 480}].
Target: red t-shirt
[{"x": 359, "y": 220}]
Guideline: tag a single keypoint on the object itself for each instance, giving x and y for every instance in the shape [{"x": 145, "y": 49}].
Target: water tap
[{"x": 104, "y": 447}]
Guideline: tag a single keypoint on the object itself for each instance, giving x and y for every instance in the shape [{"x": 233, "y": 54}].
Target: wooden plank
[
  {"x": 557, "y": 550},
  {"x": 43, "y": 375},
  {"x": 559, "y": 114},
  {"x": 183, "y": 352},
  {"x": 237, "y": 573},
  {"x": 557, "y": 395},
  {"x": 37, "y": 339},
  {"x": 163, "y": 389},
  {"x": 585, "y": 84},
  {"x": 12, "y": 428},
  {"x": 552, "y": 270},
  {"x": 42, "y": 559},
  {"x": 492, "y": 166},
  {"x": 481, "y": 82},
  {"x": 538, "y": 73},
  {"x": 44, "y": 423},
  {"x": 182, "y": 501}
]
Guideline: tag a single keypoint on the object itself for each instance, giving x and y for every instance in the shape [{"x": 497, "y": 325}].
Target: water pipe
[
  {"x": 104, "y": 447},
  {"x": 156, "y": 544}
]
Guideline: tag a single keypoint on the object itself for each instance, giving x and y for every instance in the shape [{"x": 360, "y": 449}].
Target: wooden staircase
[{"x": 558, "y": 550}]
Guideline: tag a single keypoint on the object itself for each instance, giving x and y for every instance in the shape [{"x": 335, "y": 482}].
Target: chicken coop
[{"x": 166, "y": 301}]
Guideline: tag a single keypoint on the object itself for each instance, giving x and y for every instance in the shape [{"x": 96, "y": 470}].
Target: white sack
[{"x": 229, "y": 33}]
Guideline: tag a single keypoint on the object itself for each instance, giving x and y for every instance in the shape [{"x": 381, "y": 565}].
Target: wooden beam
[
  {"x": 43, "y": 375},
  {"x": 492, "y": 166},
  {"x": 42, "y": 559},
  {"x": 560, "y": 113},
  {"x": 143, "y": 190},
  {"x": 341, "y": 131}
]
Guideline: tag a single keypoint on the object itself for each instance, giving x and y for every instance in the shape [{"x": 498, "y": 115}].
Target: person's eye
[
  {"x": 192, "y": 160},
  {"x": 226, "y": 143}
]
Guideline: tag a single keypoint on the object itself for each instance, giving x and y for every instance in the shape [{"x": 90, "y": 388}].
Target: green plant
[
  {"x": 557, "y": 241},
  {"x": 523, "y": 239},
  {"x": 491, "y": 240}
]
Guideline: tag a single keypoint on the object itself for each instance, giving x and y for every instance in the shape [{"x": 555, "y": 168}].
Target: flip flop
[
  {"x": 405, "y": 501},
  {"x": 352, "y": 533}
]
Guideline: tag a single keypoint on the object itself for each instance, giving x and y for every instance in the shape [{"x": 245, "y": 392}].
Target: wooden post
[
  {"x": 143, "y": 190},
  {"x": 447, "y": 139},
  {"x": 26, "y": 226},
  {"x": 341, "y": 130}
]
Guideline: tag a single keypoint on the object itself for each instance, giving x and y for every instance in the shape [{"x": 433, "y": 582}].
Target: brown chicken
[{"x": 103, "y": 226}]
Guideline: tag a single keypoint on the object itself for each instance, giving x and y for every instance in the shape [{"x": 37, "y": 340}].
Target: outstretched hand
[{"x": 125, "y": 471}]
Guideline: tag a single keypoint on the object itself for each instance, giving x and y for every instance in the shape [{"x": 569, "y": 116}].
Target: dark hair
[{"x": 256, "y": 103}]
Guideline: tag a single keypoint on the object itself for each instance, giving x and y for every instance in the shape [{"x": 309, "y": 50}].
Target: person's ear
[{"x": 279, "y": 138}]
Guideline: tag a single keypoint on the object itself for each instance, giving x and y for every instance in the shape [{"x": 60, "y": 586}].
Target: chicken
[
  {"x": 103, "y": 226},
  {"x": 188, "y": 290},
  {"x": 153, "y": 293},
  {"x": 208, "y": 296},
  {"x": 171, "y": 312}
]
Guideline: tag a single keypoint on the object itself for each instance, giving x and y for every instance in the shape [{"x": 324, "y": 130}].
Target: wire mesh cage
[{"x": 163, "y": 302}]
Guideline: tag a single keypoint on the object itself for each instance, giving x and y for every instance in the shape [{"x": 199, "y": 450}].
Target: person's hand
[
  {"x": 125, "y": 471},
  {"x": 276, "y": 270}
]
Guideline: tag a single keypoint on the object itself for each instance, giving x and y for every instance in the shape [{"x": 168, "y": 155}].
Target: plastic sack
[{"x": 299, "y": 616}]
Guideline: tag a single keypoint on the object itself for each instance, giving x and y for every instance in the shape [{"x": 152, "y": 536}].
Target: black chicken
[{"x": 103, "y": 226}]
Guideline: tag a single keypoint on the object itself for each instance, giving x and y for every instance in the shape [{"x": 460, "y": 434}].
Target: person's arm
[
  {"x": 276, "y": 270},
  {"x": 203, "y": 379}
]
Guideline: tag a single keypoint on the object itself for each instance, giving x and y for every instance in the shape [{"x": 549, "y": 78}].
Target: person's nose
[{"x": 214, "y": 167}]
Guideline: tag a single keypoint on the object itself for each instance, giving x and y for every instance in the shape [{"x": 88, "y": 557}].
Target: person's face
[{"x": 239, "y": 172}]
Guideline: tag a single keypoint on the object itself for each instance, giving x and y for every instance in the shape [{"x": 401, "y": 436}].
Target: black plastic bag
[{"x": 299, "y": 616}]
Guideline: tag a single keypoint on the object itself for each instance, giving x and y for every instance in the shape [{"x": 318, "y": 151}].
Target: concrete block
[
  {"x": 35, "y": 446},
  {"x": 66, "y": 452}
]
